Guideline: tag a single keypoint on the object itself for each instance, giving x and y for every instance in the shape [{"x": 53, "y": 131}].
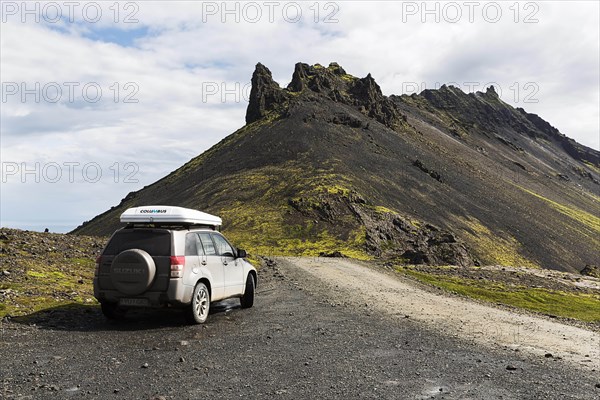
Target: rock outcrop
[
  {"x": 591, "y": 270},
  {"x": 389, "y": 235},
  {"x": 265, "y": 95},
  {"x": 333, "y": 82},
  {"x": 392, "y": 236}
]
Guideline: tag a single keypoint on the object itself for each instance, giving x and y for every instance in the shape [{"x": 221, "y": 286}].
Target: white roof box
[{"x": 169, "y": 214}]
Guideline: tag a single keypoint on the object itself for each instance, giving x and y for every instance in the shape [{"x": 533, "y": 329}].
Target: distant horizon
[{"x": 30, "y": 228}]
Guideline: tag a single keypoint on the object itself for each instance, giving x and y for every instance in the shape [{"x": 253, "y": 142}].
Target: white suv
[{"x": 171, "y": 256}]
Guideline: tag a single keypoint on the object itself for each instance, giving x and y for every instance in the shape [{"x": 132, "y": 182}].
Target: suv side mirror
[{"x": 241, "y": 253}]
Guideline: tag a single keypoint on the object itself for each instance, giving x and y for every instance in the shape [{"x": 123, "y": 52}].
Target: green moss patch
[
  {"x": 494, "y": 248},
  {"x": 264, "y": 221},
  {"x": 46, "y": 270},
  {"x": 584, "y": 307},
  {"x": 589, "y": 220}
]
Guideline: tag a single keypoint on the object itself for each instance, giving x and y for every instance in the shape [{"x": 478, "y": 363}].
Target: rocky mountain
[{"x": 330, "y": 165}]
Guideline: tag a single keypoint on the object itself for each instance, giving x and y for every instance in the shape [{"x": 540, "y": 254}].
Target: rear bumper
[{"x": 177, "y": 294}]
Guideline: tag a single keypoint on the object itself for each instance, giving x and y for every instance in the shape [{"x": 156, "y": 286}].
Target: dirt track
[
  {"x": 457, "y": 317},
  {"x": 301, "y": 340}
]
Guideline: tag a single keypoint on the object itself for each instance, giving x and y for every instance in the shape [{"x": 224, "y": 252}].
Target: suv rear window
[{"x": 154, "y": 242}]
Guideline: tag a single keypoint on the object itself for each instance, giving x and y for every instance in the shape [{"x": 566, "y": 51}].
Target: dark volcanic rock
[
  {"x": 373, "y": 103},
  {"x": 299, "y": 77},
  {"x": 571, "y": 147},
  {"x": 434, "y": 174},
  {"x": 390, "y": 235},
  {"x": 591, "y": 270},
  {"x": 265, "y": 94},
  {"x": 363, "y": 94},
  {"x": 318, "y": 79},
  {"x": 337, "y": 254}
]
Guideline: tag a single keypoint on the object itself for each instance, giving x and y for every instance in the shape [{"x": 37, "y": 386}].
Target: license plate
[{"x": 134, "y": 302}]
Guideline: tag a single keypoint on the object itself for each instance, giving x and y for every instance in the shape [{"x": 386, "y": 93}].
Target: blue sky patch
[{"x": 124, "y": 38}]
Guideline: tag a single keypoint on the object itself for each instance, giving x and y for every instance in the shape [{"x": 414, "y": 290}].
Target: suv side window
[
  {"x": 192, "y": 245},
  {"x": 223, "y": 247},
  {"x": 207, "y": 244}
]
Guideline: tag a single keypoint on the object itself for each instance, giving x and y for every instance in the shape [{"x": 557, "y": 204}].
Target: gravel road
[
  {"x": 389, "y": 293},
  {"x": 303, "y": 339}
]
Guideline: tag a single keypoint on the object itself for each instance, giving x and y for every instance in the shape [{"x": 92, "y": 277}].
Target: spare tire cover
[{"x": 132, "y": 271}]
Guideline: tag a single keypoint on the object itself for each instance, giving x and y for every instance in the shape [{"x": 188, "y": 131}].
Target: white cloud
[{"x": 180, "y": 66}]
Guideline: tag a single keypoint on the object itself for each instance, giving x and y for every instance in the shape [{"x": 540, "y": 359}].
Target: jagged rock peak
[
  {"x": 367, "y": 88},
  {"x": 337, "y": 69},
  {"x": 318, "y": 78},
  {"x": 491, "y": 91},
  {"x": 265, "y": 94},
  {"x": 299, "y": 76},
  {"x": 331, "y": 82}
]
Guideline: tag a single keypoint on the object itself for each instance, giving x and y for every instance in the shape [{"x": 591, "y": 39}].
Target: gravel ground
[
  {"x": 295, "y": 343},
  {"x": 480, "y": 322}
]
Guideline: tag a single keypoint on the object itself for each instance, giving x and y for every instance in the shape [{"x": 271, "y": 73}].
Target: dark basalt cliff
[{"x": 330, "y": 165}]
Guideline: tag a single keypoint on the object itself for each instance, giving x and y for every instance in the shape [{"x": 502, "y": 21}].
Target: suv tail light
[
  {"x": 177, "y": 264},
  {"x": 98, "y": 262}
]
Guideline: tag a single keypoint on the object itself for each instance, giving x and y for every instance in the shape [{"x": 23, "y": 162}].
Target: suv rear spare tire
[{"x": 132, "y": 272}]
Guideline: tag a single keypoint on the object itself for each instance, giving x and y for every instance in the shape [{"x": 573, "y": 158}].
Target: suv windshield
[{"x": 154, "y": 242}]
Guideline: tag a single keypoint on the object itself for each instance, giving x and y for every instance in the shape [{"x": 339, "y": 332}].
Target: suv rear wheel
[
  {"x": 112, "y": 310},
  {"x": 197, "y": 311}
]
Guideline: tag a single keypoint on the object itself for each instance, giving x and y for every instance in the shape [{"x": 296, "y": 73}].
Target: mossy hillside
[
  {"x": 494, "y": 247},
  {"x": 584, "y": 306},
  {"x": 199, "y": 169},
  {"x": 263, "y": 222},
  {"x": 594, "y": 167},
  {"x": 46, "y": 270},
  {"x": 574, "y": 223},
  {"x": 273, "y": 231},
  {"x": 590, "y": 222}
]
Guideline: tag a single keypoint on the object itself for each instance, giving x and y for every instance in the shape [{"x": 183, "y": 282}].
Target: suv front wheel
[
  {"x": 197, "y": 311},
  {"x": 247, "y": 300}
]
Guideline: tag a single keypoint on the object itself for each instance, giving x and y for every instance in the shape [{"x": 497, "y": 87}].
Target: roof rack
[{"x": 169, "y": 216}]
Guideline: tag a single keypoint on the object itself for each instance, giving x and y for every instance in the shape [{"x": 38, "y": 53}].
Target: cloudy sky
[{"x": 103, "y": 98}]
